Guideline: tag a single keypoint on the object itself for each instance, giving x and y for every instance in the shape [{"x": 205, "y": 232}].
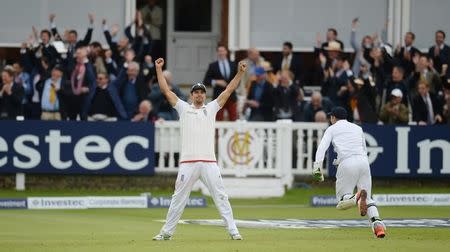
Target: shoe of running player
[
  {"x": 379, "y": 229},
  {"x": 236, "y": 236},
  {"x": 347, "y": 203},
  {"x": 162, "y": 237},
  {"x": 361, "y": 199}
]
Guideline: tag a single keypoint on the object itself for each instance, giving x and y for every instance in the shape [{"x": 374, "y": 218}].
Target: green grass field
[{"x": 132, "y": 229}]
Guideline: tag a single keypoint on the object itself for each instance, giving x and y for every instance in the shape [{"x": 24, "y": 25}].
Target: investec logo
[
  {"x": 29, "y": 147},
  {"x": 425, "y": 146}
]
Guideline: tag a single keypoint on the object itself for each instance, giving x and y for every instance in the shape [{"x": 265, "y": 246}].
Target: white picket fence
[{"x": 279, "y": 149}]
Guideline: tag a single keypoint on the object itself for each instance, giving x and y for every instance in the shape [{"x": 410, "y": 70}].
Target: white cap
[{"x": 397, "y": 93}]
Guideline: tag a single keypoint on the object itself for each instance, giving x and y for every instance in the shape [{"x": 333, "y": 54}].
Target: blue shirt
[
  {"x": 259, "y": 88},
  {"x": 45, "y": 102}
]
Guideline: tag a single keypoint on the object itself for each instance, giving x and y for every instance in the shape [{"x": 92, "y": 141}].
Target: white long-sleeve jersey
[{"x": 347, "y": 138}]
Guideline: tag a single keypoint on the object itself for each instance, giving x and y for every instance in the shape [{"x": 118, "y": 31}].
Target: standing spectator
[
  {"x": 286, "y": 94},
  {"x": 218, "y": 75},
  {"x": 427, "y": 110},
  {"x": 133, "y": 89},
  {"x": 290, "y": 61},
  {"x": 332, "y": 36},
  {"x": 52, "y": 102},
  {"x": 72, "y": 41},
  {"x": 446, "y": 107},
  {"x": 395, "y": 112},
  {"x": 253, "y": 60},
  {"x": 327, "y": 60},
  {"x": 23, "y": 79},
  {"x": 141, "y": 41},
  {"x": 11, "y": 95},
  {"x": 153, "y": 18},
  {"x": 363, "y": 102},
  {"x": 260, "y": 98},
  {"x": 405, "y": 54},
  {"x": 95, "y": 56},
  {"x": 82, "y": 77},
  {"x": 46, "y": 50},
  {"x": 103, "y": 101},
  {"x": 300, "y": 105},
  {"x": 146, "y": 113},
  {"x": 398, "y": 82},
  {"x": 148, "y": 70},
  {"x": 317, "y": 103},
  {"x": 335, "y": 80},
  {"x": 161, "y": 105},
  {"x": 424, "y": 72},
  {"x": 440, "y": 52},
  {"x": 117, "y": 47},
  {"x": 360, "y": 50}
]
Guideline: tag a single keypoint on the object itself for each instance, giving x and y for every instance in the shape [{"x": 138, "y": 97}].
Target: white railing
[{"x": 279, "y": 149}]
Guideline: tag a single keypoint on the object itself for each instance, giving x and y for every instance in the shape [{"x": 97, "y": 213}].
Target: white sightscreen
[
  {"x": 426, "y": 18},
  {"x": 17, "y": 17},
  {"x": 298, "y": 21}
]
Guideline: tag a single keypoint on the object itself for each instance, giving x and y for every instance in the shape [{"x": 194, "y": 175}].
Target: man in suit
[
  {"x": 103, "y": 101},
  {"x": 424, "y": 72},
  {"x": 133, "y": 88},
  {"x": 427, "y": 110},
  {"x": 286, "y": 94},
  {"x": 260, "y": 98},
  {"x": 45, "y": 50},
  {"x": 53, "y": 93},
  {"x": 291, "y": 62},
  {"x": 332, "y": 36},
  {"x": 218, "y": 75},
  {"x": 440, "y": 53},
  {"x": 405, "y": 54},
  {"x": 72, "y": 36},
  {"x": 11, "y": 95}
]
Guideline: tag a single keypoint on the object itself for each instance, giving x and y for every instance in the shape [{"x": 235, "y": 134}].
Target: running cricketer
[
  {"x": 198, "y": 159},
  {"x": 353, "y": 168}
]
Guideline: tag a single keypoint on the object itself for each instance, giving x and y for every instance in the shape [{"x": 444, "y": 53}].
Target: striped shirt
[{"x": 197, "y": 128}]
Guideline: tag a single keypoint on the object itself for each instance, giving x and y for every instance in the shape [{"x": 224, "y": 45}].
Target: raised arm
[
  {"x": 165, "y": 90},
  {"x": 234, "y": 83}
]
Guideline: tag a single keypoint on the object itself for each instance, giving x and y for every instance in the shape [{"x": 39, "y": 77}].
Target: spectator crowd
[{"x": 61, "y": 76}]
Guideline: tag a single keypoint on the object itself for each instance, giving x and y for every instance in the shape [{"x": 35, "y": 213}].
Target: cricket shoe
[
  {"x": 379, "y": 229},
  {"x": 162, "y": 237},
  {"x": 345, "y": 204},
  {"x": 361, "y": 199},
  {"x": 236, "y": 236}
]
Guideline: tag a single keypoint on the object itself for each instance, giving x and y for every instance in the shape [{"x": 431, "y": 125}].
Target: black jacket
[
  {"x": 296, "y": 67},
  {"x": 266, "y": 103},
  {"x": 441, "y": 59},
  {"x": 12, "y": 104},
  {"x": 408, "y": 65},
  {"x": 420, "y": 109},
  {"x": 213, "y": 73}
]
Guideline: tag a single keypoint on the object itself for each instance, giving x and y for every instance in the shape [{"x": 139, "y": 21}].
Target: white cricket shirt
[
  {"x": 197, "y": 128},
  {"x": 347, "y": 138}
]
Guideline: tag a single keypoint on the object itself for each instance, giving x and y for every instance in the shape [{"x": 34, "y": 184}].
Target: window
[{"x": 193, "y": 15}]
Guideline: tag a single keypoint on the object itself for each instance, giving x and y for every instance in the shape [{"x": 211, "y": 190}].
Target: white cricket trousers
[
  {"x": 188, "y": 174},
  {"x": 352, "y": 172}
]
